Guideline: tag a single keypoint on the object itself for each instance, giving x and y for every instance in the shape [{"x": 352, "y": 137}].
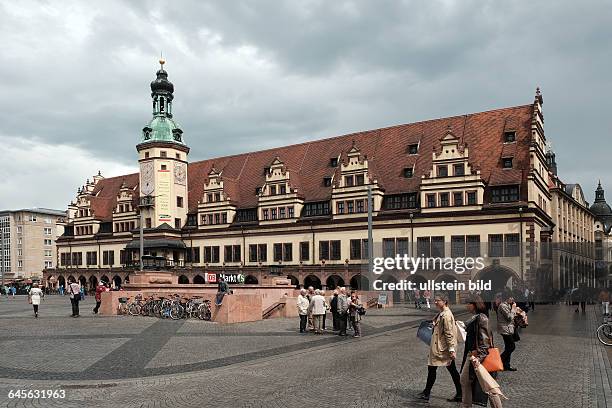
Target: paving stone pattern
[{"x": 147, "y": 362}]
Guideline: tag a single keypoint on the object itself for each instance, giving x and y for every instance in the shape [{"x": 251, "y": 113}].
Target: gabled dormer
[
  {"x": 125, "y": 214},
  {"x": 350, "y": 191},
  {"x": 279, "y": 199},
  {"x": 85, "y": 223},
  {"x": 215, "y": 208},
  {"x": 451, "y": 181}
]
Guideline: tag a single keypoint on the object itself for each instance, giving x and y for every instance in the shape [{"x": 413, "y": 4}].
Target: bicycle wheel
[
  {"x": 204, "y": 312},
  {"x": 604, "y": 334},
  {"x": 176, "y": 311},
  {"x": 134, "y": 309}
]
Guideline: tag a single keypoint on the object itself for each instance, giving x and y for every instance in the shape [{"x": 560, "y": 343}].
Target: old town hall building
[{"x": 476, "y": 184}]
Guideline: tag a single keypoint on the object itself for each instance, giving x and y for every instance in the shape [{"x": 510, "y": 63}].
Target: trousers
[{"x": 431, "y": 377}]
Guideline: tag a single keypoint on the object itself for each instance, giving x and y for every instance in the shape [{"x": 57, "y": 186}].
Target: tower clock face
[
  {"x": 180, "y": 175},
  {"x": 147, "y": 178}
]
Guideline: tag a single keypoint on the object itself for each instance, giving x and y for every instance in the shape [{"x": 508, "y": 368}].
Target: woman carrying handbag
[{"x": 476, "y": 382}]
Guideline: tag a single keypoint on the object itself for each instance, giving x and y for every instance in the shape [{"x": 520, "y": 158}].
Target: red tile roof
[{"x": 386, "y": 150}]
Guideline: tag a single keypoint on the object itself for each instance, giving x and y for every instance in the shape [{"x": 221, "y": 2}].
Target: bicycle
[
  {"x": 604, "y": 332},
  {"x": 122, "y": 307}
]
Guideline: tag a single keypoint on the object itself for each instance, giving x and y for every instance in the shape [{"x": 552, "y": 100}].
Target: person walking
[
  {"x": 417, "y": 299},
  {"x": 13, "y": 291},
  {"x": 61, "y": 290},
  {"x": 34, "y": 296},
  {"x": 333, "y": 305},
  {"x": 302, "y": 306},
  {"x": 506, "y": 311},
  {"x": 443, "y": 348},
  {"x": 604, "y": 298},
  {"x": 99, "y": 289},
  {"x": 75, "y": 296},
  {"x": 342, "y": 306},
  {"x": 427, "y": 296},
  {"x": 355, "y": 307},
  {"x": 317, "y": 309},
  {"x": 477, "y": 385}
]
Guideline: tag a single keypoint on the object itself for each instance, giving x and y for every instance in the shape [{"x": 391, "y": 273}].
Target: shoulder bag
[{"x": 492, "y": 362}]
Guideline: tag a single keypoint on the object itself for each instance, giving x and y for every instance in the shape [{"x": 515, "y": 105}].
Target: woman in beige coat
[{"x": 443, "y": 348}]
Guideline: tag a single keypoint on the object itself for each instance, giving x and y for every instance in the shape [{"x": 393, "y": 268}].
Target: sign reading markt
[{"x": 210, "y": 277}]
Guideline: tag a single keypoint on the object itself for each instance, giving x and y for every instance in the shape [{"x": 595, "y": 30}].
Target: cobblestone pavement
[{"x": 147, "y": 362}]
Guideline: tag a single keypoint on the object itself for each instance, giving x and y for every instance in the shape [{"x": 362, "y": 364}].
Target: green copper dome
[{"x": 162, "y": 129}]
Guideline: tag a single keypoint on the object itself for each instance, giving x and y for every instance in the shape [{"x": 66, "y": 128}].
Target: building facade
[
  {"x": 476, "y": 184},
  {"x": 27, "y": 242}
]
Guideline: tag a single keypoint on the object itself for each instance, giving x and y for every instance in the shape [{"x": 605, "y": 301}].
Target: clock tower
[{"x": 162, "y": 155}]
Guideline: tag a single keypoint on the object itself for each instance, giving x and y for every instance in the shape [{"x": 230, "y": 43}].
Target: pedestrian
[
  {"x": 333, "y": 304},
  {"x": 74, "y": 292},
  {"x": 427, "y": 296},
  {"x": 417, "y": 299},
  {"x": 443, "y": 348},
  {"x": 532, "y": 299},
  {"x": 302, "y": 306},
  {"x": 477, "y": 384},
  {"x": 99, "y": 289},
  {"x": 506, "y": 311},
  {"x": 61, "y": 290},
  {"x": 342, "y": 307},
  {"x": 222, "y": 290},
  {"x": 309, "y": 295},
  {"x": 581, "y": 295},
  {"x": 317, "y": 309},
  {"x": 604, "y": 298},
  {"x": 13, "y": 291},
  {"x": 82, "y": 292},
  {"x": 34, "y": 296},
  {"x": 354, "y": 311},
  {"x": 326, "y": 309}
]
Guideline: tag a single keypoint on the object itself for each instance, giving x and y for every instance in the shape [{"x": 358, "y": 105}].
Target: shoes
[
  {"x": 456, "y": 398},
  {"x": 423, "y": 396},
  {"x": 357, "y": 335},
  {"x": 510, "y": 369}
]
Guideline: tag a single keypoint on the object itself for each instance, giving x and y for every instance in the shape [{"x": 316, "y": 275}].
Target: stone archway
[
  {"x": 359, "y": 282},
  {"x": 105, "y": 279},
  {"x": 61, "y": 282},
  {"x": 312, "y": 280},
  {"x": 183, "y": 280},
  {"x": 294, "y": 281},
  {"x": 250, "y": 280},
  {"x": 501, "y": 277},
  {"x": 117, "y": 281},
  {"x": 333, "y": 282},
  {"x": 452, "y": 294},
  {"x": 199, "y": 279},
  {"x": 93, "y": 282}
]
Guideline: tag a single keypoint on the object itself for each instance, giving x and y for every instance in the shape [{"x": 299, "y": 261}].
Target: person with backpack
[{"x": 74, "y": 291}]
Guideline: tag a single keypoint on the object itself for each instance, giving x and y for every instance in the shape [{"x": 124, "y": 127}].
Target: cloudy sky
[{"x": 255, "y": 74}]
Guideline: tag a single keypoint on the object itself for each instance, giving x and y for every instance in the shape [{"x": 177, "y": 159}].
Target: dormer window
[
  {"x": 209, "y": 198},
  {"x": 408, "y": 172},
  {"x": 442, "y": 171},
  {"x": 359, "y": 180},
  {"x": 257, "y": 190},
  {"x": 507, "y": 163},
  {"x": 217, "y": 197},
  {"x": 272, "y": 190},
  {"x": 510, "y": 136},
  {"x": 413, "y": 149},
  {"x": 459, "y": 170},
  {"x": 283, "y": 189},
  {"x": 349, "y": 181},
  {"x": 327, "y": 181},
  {"x": 266, "y": 170},
  {"x": 333, "y": 162}
]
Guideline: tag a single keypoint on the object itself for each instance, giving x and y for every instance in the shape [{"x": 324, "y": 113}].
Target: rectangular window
[
  {"x": 334, "y": 250},
  {"x": 304, "y": 251},
  {"x": 423, "y": 247},
  {"x": 316, "y": 209},
  {"x": 281, "y": 212},
  {"x": 278, "y": 252},
  {"x": 355, "y": 249},
  {"x": 471, "y": 198},
  {"x": 288, "y": 252},
  {"x": 458, "y": 199},
  {"x": 227, "y": 253},
  {"x": 265, "y": 214},
  {"x": 402, "y": 246},
  {"x": 290, "y": 212},
  {"x": 91, "y": 258},
  {"x": 273, "y": 213},
  {"x": 48, "y": 231},
  {"x": 509, "y": 136},
  {"x": 437, "y": 247},
  {"x": 237, "y": 253},
  {"x": 473, "y": 246},
  {"x": 333, "y": 162},
  {"x": 408, "y": 172},
  {"x": 179, "y": 202},
  {"x": 209, "y": 197},
  {"x": 359, "y": 180},
  {"x": 47, "y": 252},
  {"x": 223, "y": 218},
  {"x": 442, "y": 171},
  {"x": 164, "y": 167},
  {"x": 283, "y": 189},
  {"x": 360, "y": 206},
  {"x": 507, "y": 163},
  {"x": 459, "y": 169},
  {"x": 147, "y": 222},
  {"x": 350, "y": 206},
  {"x": 262, "y": 252},
  {"x": 272, "y": 190},
  {"x": 457, "y": 246},
  {"x": 215, "y": 254},
  {"x": 253, "y": 253},
  {"x": 388, "y": 247},
  {"x": 444, "y": 200},
  {"x": 340, "y": 206},
  {"x": 211, "y": 254},
  {"x": 431, "y": 200},
  {"x": 323, "y": 250},
  {"x": 511, "y": 245},
  {"x": 413, "y": 149},
  {"x": 496, "y": 245},
  {"x": 504, "y": 194},
  {"x": 177, "y": 223},
  {"x": 163, "y": 154},
  {"x": 348, "y": 181}
]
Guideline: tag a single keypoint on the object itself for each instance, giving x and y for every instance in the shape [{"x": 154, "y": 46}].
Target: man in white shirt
[
  {"x": 302, "y": 306},
  {"x": 317, "y": 308}
]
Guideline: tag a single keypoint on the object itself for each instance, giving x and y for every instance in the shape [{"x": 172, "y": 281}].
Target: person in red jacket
[{"x": 99, "y": 289}]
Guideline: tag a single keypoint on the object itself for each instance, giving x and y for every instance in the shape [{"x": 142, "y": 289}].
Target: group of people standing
[
  {"x": 475, "y": 384},
  {"x": 313, "y": 307}
]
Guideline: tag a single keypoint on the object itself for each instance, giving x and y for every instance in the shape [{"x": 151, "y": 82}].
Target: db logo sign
[{"x": 211, "y": 278}]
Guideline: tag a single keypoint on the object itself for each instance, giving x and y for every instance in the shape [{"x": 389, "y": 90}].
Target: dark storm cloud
[{"x": 255, "y": 74}]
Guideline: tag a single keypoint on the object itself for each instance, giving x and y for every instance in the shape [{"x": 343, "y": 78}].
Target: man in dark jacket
[
  {"x": 223, "y": 289},
  {"x": 334, "y": 309}
]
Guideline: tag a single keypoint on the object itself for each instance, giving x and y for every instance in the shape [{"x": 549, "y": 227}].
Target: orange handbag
[{"x": 492, "y": 362}]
